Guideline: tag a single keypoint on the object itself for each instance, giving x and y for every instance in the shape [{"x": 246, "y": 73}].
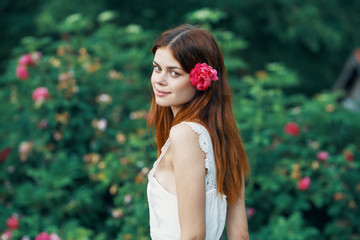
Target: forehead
[{"x": 164, "y": 56}]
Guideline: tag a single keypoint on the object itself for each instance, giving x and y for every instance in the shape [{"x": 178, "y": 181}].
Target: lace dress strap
[{"x": 206, "y": 146}]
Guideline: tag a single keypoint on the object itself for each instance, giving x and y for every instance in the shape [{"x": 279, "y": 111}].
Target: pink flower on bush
[
  {"x": 40, "y": 94},
  {"x": 101, "y": 124},
  {"x": 12, "y": 222},
  {"x": 304, "y": 183},
  {"x": 43, "y": 236},
  {"x": 4, "y": 154},
  {"x": 292, "y": 128},
  {"x": 322, "y": 155},
  {"x": 127, "y": 198},
  {"x": 46, "y": 236},
  {"x": 54, "y": 236},
  {"x": 36, "y": 56},
  {"x": 6, "y": 235},
  {"x": 24, "y": 62},
  {"x": 250, "y": 212},
  {"x": 348, "y": 155},
  {"x": 25, "y": 147},
  {"x": 42, "y": 124},
  {"x": 202, "y": 75},
  {"x": 26, "y": 59},
  {"x": 22, "y": 72}
]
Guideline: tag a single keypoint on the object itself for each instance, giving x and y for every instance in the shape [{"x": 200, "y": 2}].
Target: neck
[{"x": 175, "y": 110}]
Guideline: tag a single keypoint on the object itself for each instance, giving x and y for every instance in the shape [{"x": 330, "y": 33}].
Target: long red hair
[{"x": 212, "y": 108}]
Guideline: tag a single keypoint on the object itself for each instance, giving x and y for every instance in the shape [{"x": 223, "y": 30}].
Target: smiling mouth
[{"x": 160, "y": 93}]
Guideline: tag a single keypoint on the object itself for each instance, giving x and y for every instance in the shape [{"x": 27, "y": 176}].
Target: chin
[{"x": 162, "y": 103}]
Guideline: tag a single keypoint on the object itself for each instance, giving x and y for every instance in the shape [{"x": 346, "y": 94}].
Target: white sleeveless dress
[{"x": 164, "y": 218}]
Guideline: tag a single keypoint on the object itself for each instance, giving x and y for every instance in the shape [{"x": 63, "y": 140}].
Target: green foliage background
[
  {"x": 83, "y": 174},
  {"x": 312, "y": 37}
]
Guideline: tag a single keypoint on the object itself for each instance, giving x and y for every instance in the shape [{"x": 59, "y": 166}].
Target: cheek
[
  {"x": 188, "y": 90},
  {"x": 192, "y": 93},
  {"x": 152, "y": 78}
]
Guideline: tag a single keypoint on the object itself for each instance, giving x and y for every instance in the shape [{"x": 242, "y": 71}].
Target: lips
[{"x": 160, "y": 93}]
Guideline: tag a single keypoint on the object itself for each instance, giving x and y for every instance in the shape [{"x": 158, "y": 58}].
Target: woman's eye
[
  {"x": 175, "y": 74},
  {"x": 157, "y": 69}
]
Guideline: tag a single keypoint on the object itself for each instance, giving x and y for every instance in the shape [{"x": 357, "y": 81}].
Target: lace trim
[{"x": 207, "y": 148}]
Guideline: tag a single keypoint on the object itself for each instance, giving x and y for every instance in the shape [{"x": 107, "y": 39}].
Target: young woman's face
[{"x": 171, "y": 84}]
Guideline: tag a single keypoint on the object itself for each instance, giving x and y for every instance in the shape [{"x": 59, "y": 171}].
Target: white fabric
[{"x": 164, "y": 218}]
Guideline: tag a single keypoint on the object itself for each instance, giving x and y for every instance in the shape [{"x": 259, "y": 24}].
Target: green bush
[
  {"x": 78, "y": 149},
  {"x": 75, "y": 154},
  {"x": 304, "y": 182}
]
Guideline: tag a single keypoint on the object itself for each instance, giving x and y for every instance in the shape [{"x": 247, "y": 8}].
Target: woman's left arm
[
  {"x": 236, "y": 220},
  {"x": 189, "y": 167}
]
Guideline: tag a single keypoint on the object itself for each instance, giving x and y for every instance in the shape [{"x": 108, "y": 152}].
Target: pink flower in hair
[{"x": 202, "y": 75}]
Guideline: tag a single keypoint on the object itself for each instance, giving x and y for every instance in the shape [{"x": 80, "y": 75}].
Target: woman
[{"x": 197, "y": 182}]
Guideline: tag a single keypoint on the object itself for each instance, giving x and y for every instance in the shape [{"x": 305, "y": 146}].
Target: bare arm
[
  {"x": 236, "y": 221},
  {"x": 189, "y": 168}
]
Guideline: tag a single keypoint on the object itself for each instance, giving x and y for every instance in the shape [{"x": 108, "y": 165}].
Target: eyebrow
[{"x": 168, "y": 67}]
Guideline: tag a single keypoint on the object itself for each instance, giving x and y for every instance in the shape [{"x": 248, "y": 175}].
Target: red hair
[{"x": 212, "y": 108}]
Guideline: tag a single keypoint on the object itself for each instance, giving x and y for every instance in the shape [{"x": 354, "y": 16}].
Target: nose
[{"x": 159, "y": 78}]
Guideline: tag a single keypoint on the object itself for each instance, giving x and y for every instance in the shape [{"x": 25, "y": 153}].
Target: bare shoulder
[
  {"x": 184, "y": 144},
  {"x": 184, "y": 134}
]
